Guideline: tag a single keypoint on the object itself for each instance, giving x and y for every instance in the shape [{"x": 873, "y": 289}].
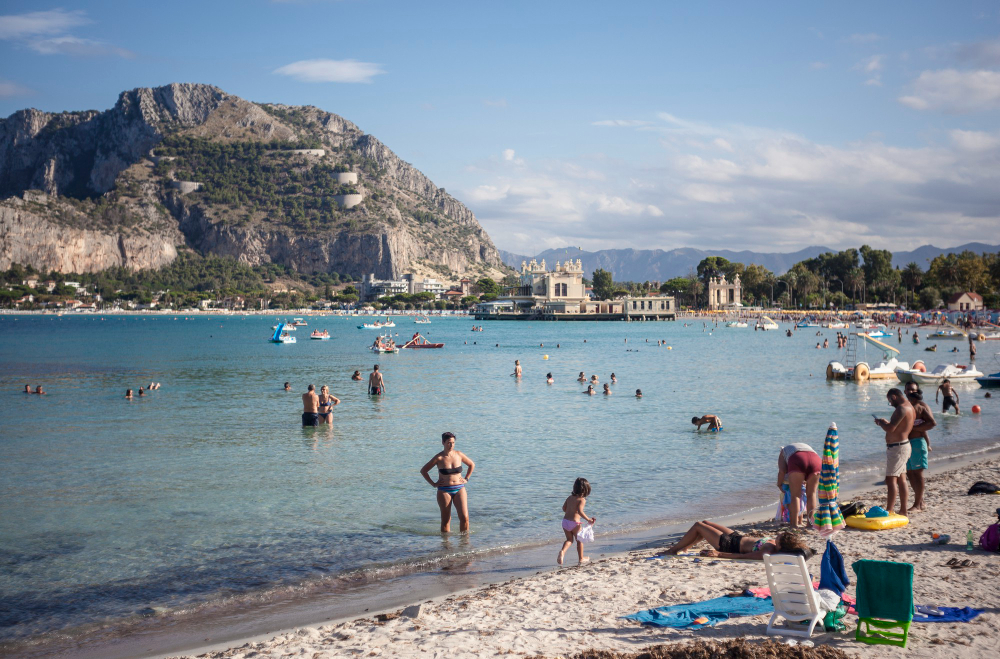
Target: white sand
[{"x": 568, "y": 610}]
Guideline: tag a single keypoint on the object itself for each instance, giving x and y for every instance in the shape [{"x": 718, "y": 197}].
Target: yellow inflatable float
[{"x": 893, "y": 521}]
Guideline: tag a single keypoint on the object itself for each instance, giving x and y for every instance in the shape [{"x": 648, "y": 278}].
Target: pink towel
[{"x": 764, "y": 591}]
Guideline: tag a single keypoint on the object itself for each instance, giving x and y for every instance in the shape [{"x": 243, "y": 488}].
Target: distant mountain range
[{"x": 660, "y": 265}]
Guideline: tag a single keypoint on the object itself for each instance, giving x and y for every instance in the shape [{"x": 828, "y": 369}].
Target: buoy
[
  {"x": 975, "y": 409},
  {"x": 545, "y": 356},
  {"x": 669, "y": 348}
]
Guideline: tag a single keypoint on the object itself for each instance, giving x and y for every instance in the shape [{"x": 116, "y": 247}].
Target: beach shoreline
[
  {"x": 213, "y": 634},
  {"x": 337, "y": 637}
]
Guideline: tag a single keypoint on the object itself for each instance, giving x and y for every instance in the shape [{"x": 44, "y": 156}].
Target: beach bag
[
  {"x": 853, "y": 508},
  {"x": 586, "y": 533},
  {"x": 982, "y": 487},
  {"x": 990, "y": 539}
]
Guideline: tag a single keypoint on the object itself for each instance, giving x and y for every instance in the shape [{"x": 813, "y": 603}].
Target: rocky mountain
[
  {"x": 660, "y": 265},
  {"x": 188, "y": 164}
]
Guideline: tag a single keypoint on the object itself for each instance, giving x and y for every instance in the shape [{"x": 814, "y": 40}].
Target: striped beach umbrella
[{"x": 827, "y": 517}]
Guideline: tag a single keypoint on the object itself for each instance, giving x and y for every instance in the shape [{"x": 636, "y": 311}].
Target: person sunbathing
[{"x": 728, "y": 543}]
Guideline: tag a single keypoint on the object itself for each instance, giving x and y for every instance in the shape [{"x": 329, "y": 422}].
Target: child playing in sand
[{"x": 571, "y": 520}]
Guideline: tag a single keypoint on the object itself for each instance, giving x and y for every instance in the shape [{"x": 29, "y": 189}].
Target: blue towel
[
  {"x": 951, "y": 614},
  {"x": 832, "y": 573},
  {"x": 716, "y": 610}
]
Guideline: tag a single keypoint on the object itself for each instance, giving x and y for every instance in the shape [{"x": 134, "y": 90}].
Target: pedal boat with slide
[
  {"x": 280, "y": 335},
  {"x": 861, "y": 370}
]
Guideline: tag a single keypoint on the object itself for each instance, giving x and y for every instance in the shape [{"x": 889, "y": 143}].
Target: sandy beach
[{"x": 567, "y": 611}]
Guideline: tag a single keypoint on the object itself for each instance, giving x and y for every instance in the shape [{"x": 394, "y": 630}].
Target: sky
[{"x": 728, "y": 125}]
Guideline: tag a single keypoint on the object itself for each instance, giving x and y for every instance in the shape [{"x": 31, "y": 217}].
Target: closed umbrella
[{"x": 827, "y": 517}]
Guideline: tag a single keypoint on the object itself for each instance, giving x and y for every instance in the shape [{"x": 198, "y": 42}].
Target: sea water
[{"x": 208, "y": 492}]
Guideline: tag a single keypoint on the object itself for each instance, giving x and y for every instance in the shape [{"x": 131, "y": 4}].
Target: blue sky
[{"x": 767, "y": 126}]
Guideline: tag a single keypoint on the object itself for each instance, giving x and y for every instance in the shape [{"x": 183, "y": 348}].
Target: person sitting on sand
[
  {"x": 128, "y": 394},
  {"x": 713, "y": 421},
  {"x": 548, "y": 378},
  {"x": 638, "y": 393},
  {"x": 582, "y": 378},
  {"x": 728, "y": 543},
  {"x": 590, "y": 390},
  {"x": 571, "y": 525},
  {"x": 607, "y": 389},
  {"x": 357, "y": 376}
]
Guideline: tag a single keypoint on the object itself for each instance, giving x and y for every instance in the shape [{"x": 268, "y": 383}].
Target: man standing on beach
[
  {"x": 310, "y": 407},
  {"x": 897, "y": 444},
  {"x": 376, "y": 385},
  {"x": 920, "y": 444}
]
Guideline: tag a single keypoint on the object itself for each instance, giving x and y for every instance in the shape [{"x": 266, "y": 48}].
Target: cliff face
[
  {"x": 97, "y": 166},
  {"x": 26, "y": 237}
]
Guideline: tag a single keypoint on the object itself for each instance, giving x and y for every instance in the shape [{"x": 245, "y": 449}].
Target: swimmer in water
[
  {"x": 128, "y": 394},
  {"x": 713, "y": 421},
  {"x": 357, "y": 376},
  {"x": 27, "y": 389},
  {"x": 517, "y": 369},
  {"x": 638, "y": 393},
  {"x": 590, "y": 390},
  {"x": 288, "y": 385},
  {"x": 582, "y": 378},
  {"x": 607, "y": 389},
  {"x": 593, "y": 379},
  {"x": 548, "y": 378},
  {"x": 613, "y": 378}
]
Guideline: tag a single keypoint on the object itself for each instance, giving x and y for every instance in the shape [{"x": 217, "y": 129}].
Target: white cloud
[
  {"x": 773, "y": 191},
  {"x": 39, "y": 23},
  {"x": 955, "y": 92},
  {"x": 621, "y": 122},
  {"x": 11, "y": 89},
  {"x": 508, "y": 154},
  {"x": 67, "y": 45},
  {"x": 330, "y": 70}
]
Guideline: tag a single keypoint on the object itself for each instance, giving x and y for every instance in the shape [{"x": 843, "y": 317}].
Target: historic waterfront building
[{"x": 723, "y": 294}]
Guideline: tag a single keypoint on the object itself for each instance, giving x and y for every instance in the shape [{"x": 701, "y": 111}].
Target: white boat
[
  {"x": 862, "y": 369},
  {"x": 384, "y": 344},
  {"x": 422, "y": 320},
  {"x": 736, "y": 323},
  {"x": 906, "y": 375},
  {"x": 985, "y": 335},
  {"x": 298, "y": 322},
  {"x": 835, "y": 324},
  {"x": 377, "y": 325},
  {"x": 991, "y": 381},
  {"x": 802, "y": 324},
  {"x": 957, "y": 335},
  {"x": 288, "y": 327},
  {"x": 879, "y": 334},
  {"x": 955, "y": 373},
  {"x": 320, "y": 336},
  {"x": 766, "y": 323}
]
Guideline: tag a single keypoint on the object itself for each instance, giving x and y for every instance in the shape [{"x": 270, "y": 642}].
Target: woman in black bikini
[
  {"x": 450, "y": 483},
  {"x": 326, "y": 403},
  {"x": 727, "y": 543}
]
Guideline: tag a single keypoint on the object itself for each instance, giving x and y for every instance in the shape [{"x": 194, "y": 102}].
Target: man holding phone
[{"x": 897, "y": 443}]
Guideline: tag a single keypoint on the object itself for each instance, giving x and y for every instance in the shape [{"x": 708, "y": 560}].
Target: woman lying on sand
[{"x": 733, "y": 544}]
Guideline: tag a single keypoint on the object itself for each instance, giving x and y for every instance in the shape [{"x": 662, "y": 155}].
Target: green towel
[{"x": 885, "y": 590}]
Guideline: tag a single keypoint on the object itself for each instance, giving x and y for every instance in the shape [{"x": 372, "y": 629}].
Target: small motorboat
[
  {"x": 991, "y": 381},
  {"x": 320, "y": 336},
  {"x": 418, "y": 341},
  {"x": 736, "y": 323},
  {"x": 280, "y": 335},
  {"x": 955, "y": 373}
]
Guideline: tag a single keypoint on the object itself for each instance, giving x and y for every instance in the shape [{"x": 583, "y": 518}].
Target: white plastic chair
[{"x": 792, "y": 594}]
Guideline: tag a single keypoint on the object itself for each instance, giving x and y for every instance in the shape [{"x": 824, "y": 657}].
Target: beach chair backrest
[
  {"x": 792, "y": 591},
  {"x": 884, "y": 590}
]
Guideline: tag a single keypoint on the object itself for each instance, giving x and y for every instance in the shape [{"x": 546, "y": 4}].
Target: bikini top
[{"x": 449, "y": 471}]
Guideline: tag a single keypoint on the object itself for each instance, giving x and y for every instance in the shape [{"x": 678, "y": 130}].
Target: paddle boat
[
  {"x": 835, "y": 324},
  {"x": 906, "y": 375},
  {"x": 802, "y": 324},
  {"x": 384, "y": 344},
  {"x": 298, "y": 322},
  {"x": 879, "y": 334},
  {"x": 422, "y": 320},
  {"x": 985, "y": 335},
  {"x": 288, "y": 327},
  {"x": 954, "y": 334},
  {"x": 766, "y": 323},
  {"x": 861, "y": 370},
  {"x": 280, "y": 335},
  {"x": 955, "y": 373},
  {"x": 991, "y": 381},
  {"x": 736, "y": 323},
  {"x": 320, "y": 336},
  {"x": 418, "y": 341},
  {"x": 377, "y": 324}
]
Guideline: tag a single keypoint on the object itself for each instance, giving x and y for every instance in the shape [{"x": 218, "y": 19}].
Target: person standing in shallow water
[
  {"x": 376, "y": 385},
  {"x": 517, "y": 369},
  {"x": 920, "y": 445},
  {"x": 450, "y": 483},
  {"x": 310, "y": 407}
]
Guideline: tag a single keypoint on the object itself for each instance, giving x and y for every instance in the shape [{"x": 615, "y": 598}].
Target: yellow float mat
[{"x": 893, "y": 521}]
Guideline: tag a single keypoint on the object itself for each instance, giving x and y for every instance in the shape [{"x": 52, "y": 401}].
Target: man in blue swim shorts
[{"x": 920, "y": 444}]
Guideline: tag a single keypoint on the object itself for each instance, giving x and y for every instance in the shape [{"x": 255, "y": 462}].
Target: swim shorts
[
  {"x": 730, "y": 542},
  {"x": 895, "y": 461},
  {"x": 918, "y": 454},
  {"x": 310, "y": 419},
  {"x": 949, "y": 401},
  {"x": 375, "y": 391},
  {"x": 805, "y": 462}
]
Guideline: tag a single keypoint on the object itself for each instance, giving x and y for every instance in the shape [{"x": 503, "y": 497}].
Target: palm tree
[
  {"x": 855, "y": 279},
  {"x": 912, "y": 275}
]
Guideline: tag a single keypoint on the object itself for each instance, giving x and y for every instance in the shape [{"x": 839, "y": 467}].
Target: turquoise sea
[{"x": 209, "y": 493}]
